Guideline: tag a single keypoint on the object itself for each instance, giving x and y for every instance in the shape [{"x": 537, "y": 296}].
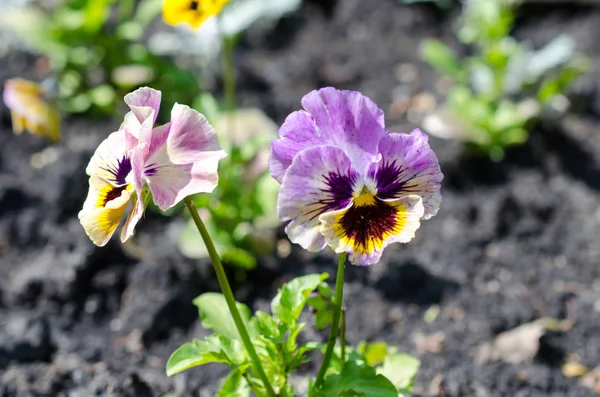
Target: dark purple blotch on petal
[
  {"x": 112, "y": 194},
  {"x": 369, "y": 223},
  {"x": 340, "y": 188},
  {"x": 120, "y": 170},
  {"x": 391, "y": 182}
]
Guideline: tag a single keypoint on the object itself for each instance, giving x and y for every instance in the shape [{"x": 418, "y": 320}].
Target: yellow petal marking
[{"x": 103, "y": 209}]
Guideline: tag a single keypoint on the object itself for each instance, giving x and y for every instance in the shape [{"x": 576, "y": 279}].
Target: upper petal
[
  {"x": 111, "y": 160},
  {"x": 320, "y": 179},
  {"x": 190, "y": 135},
  {"x": 408, "y": 166},
  {"x": 346, "y": 119},
  {"x": 144, "y": 103},
  {"x": 297, "y": 133},
  {"x": 170, "y": 183}
]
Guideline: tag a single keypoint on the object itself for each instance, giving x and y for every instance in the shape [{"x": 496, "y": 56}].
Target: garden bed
[{"x": 513, "y": 242}]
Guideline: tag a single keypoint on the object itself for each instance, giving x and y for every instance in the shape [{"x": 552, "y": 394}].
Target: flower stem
[
  {"x": 343, "y": 334},
  {"x": 226, "y": 289},
  {"x": 335, "y": 323},
  {"x": 229, "y": 73}
]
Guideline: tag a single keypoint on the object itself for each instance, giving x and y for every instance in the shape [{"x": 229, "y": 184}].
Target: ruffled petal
[
  {"x": 144, "y": 103},
  {"x": 169, "y": 182},
  {"x": 319, "y": 180},
  {"x": 350, "y": 120},
  {"x": 365, "y": 230},
  {"x": 111, "y": 160},
  {"x": 297, "y": 133},
  {"x": 408, "y": 166},
  {"x": 345, "y": 119},
  {"x": 190, "y": 136},
  {"x": 103, "y": 209}
]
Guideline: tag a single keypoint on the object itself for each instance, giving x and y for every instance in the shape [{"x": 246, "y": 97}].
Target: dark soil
[{"x": 512, "y": 243}]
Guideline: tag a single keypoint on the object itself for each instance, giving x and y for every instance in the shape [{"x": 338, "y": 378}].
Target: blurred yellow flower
[
  {"x": 30, "y": 110},
  {"x": 193, "y": 12}
]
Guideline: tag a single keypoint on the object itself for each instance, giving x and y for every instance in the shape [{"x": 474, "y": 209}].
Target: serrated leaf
[
  {"x": 291, "y": 298},
  {"x": 400, "y": 369},
  {"x": 215, "y": 314},
  {"x": 362, "y": 380},
  {"x": 234, "y": 385},
  {"x": 264, "y": 324}
]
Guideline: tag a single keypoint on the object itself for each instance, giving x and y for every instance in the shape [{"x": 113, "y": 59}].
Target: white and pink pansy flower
[{"x": 170, "y": 162}]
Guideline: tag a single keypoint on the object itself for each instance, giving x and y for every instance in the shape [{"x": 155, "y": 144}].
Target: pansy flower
[
  {"x": 192, "y": 12},
  {"x": 169, "y": 162},
  {"x": 349, "y": 183},
  {"x": 30, "y": 109}
]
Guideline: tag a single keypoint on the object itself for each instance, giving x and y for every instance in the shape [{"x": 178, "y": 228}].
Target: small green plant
[
  {"x": 504, "y": 86},
  {"x": 371, "y": 369},
  {"x": 95, "y": 53}
]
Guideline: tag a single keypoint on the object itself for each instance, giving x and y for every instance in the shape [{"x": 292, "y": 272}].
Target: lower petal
[
  {"x": 364, "y": 231},
  {"x": 103, "y": 210},
  {"x": 136, "y": 213},
  {"x": 319, "y": 180}
]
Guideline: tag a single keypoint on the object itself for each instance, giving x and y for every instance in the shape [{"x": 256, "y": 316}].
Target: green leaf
[
  {"x": 239, "y": 258},
  {"x": 264, "y": 324},
  {"x": 198, "y": 353},
  {"x": 215, "y": 315},
  {"x": 400, "y": 369},
  {"x": 362, "y": 380},
  {"x": 323, "y": 310},
  {"x": 442, "y": 58},
  {"x": 234, "y": 385},
  {"x": 375, "y": 353},
  {"x": 291, "y": 298},
  {"x": 96, "y": 13}
]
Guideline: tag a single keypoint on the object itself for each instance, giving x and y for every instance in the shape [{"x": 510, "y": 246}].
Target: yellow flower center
[{"x": 364, "y": 197}]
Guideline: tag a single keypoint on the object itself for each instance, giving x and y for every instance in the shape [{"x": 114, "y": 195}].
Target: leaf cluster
[
  {"x": 371, "y": 369},
  {"x": 504, "y": 85}
]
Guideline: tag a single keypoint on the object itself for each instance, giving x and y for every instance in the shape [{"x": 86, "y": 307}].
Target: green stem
[
  {"x": 343, "y": 334},
  {"x": 226, "y": 289},
  {"x": 335, "y": 323},
  {"x": 229, "y": 73}
]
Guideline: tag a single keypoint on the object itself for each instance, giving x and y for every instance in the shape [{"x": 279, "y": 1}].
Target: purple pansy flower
[
  {"x": 349, "y": 183},
  {"x": 171, "y": 161}
]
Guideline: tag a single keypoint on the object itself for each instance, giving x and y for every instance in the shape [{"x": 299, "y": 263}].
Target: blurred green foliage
[
  {"x": 504, "y": 86},
  {"x": 96, "y": 54},
  {"x": 241, "y": 212}
]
